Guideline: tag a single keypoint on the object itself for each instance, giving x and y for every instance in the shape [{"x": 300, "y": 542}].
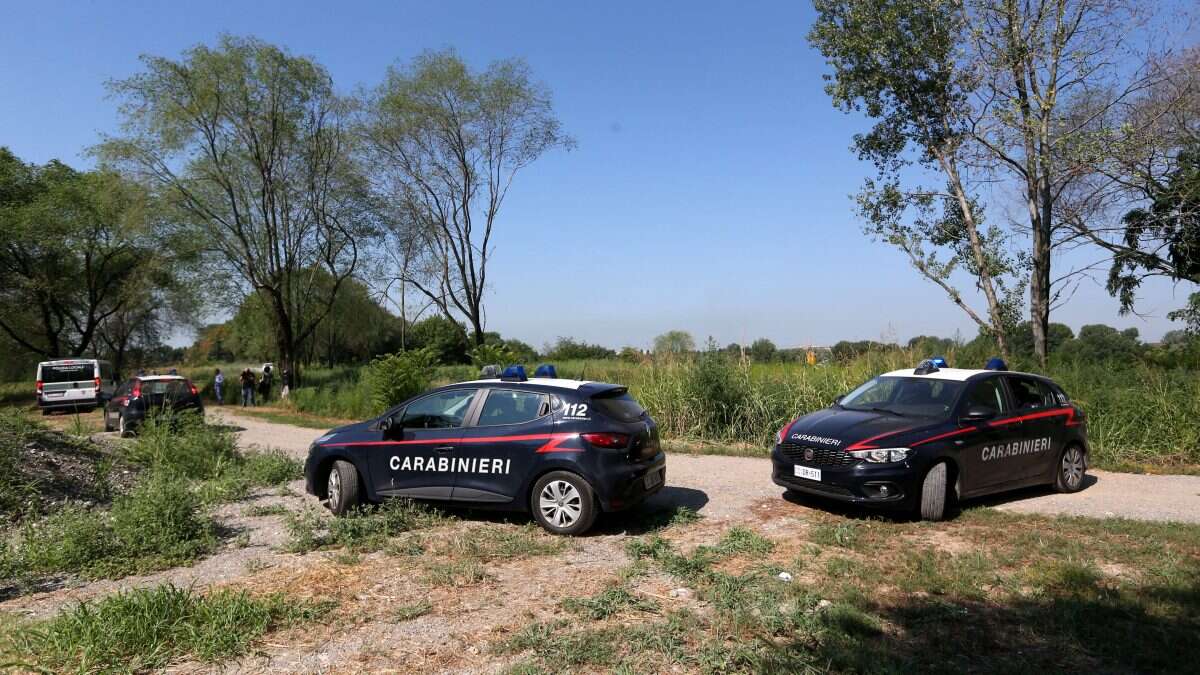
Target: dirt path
[{"x": 726, "y": 487}]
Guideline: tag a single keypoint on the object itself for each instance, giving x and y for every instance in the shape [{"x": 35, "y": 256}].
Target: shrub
[
  {"x": 160, "y": 523},
  {"x": 147, "y": 629},
  {"x": 183, "y": 446},
  {"x": 400, "y": 376}
]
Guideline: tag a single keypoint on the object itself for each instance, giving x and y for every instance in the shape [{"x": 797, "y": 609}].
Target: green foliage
[
  {"x": 674, "y": 343},
  {"x": 183, "y": 446},
  {"x": 717, "y": 389},
  {"x": 569, "y": 349},
  {"x": 397, "y": 377},
  {"x": 445, "y": 338},
  {"x": 15, "y": 432},
  {"x": 159, "y": 524},
  {"x": 148, "y": 629},
  {"x": 763, "y": 350},
  {"x": 487, "y": 354},
  {"x": 1097, "y": 343}
]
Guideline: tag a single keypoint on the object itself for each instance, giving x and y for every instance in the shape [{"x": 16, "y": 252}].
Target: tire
[
  {"x": 933, "y": 493},
  {"x": 123, "y": 430},
  {"x": 107, "y": 424},
  {"x": 342, "y": 488},
  {"x": 1071, "y": 470},
  {"x": 563, "y": 503}
]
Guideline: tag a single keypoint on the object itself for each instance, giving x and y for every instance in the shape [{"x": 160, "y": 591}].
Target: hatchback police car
[
  {"x": 562, "y": 449},
  {"x": 913, "y": 438}
]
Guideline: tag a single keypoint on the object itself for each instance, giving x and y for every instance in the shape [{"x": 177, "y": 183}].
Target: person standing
[
  {"x": 265, "y": 386},
  {"x": 285, "y": 383},
  {"x": 247, "y": 388},
  {"x": 219, "y": 386}
]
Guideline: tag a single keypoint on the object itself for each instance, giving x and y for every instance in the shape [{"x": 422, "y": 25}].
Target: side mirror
[
  {"x": 385, "y": 424},
  {"x": 979, "y": 413},
  {"x": 839, "y": 399}
]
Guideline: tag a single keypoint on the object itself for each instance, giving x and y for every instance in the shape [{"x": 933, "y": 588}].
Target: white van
[{"x": 73, "y": 384}]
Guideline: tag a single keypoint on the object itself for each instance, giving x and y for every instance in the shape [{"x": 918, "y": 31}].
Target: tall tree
[
  {"x": 447, "y": 144},
  {"x": 251, "y": 146},
  {"x": 897, "y": 61},
  {"x": 73, "y": 248}
]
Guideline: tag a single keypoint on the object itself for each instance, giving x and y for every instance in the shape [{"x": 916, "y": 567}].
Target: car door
[
  {"x": 498, "y": 449},
  {"x": 980, "y": 472},
  {"x": 415, "y": 453},
  {"x": 1039, "y": 433}
]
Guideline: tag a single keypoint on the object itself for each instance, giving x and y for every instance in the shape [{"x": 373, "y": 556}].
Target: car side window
[
  {"x": 505, "y": 406},
  {"x": 1027, "y": 393},
  {"x": 443, "y": 410},
  {"x": 987, "y": 394}
]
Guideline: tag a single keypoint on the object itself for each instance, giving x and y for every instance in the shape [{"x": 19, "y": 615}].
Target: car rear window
[
  {"x": 168, "y": 387},
  {"x": 74, "y": 372},
  {"x": 621, "y": 407}
]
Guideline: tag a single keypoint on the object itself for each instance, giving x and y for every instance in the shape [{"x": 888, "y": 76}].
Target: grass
[
  {"x": 159, "y": 524},
  {"x": 148, "y": 629},
  {"x": 413, "y": 611},
  {"x": 987, "y": 592},
  {"x": 367, "y": 529}
]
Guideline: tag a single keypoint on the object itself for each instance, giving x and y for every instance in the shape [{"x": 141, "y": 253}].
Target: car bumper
[
  {"x": 64, "y": 403},
  {"x": 625, "y": 488},
  {"x": 885, "y": 486}
]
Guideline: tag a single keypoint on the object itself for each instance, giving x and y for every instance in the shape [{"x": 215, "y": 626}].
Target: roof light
[
  {"x": 996, "y": 363},
  {"x": 514, "y": 374},
  {"x": 939, "y": 361},
  {"x": 546, "y": 370},
  {"x": 926, "y": 367},
  {"x": 489, "y": 372}
]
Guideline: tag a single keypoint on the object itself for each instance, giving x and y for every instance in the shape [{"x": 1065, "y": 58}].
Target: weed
[
  {"x": 264, "y": 510},
  {"x": 367, "y": 528},
  {"x": 147, "y": 629},
  {"x": 610, "y": 601},
  {"x": 456, "y": 573},
  {"x": 844, "y": 534},
  {"x": 410, "y": 612}
]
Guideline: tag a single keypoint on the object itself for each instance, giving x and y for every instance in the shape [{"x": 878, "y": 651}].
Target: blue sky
[{"x": 709, "y": 190}]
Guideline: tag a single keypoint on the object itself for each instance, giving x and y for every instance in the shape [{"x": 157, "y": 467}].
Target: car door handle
[{"x": 443, "y": 448}]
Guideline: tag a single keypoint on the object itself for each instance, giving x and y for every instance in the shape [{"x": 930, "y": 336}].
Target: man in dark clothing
[
  {"x": 265, "y": 386},
  {"x": 247, "y": 388}
]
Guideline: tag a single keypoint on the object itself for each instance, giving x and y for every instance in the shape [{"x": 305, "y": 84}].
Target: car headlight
[{"x": 881, "y": 455}]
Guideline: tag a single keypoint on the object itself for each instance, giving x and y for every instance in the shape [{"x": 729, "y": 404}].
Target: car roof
[
  {"x": 153, "y": 378},
  {"x": 957, "y": 374},
  {"x": 552, "y": 382},
  {"x": 68, "y": 362}
]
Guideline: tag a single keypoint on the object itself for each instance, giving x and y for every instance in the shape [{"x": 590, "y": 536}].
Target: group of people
[{"x": 251, "y": 383}]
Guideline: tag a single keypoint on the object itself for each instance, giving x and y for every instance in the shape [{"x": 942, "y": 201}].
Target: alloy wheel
[
  {"x": 334, "y": 490},
  {"x": 1072, "y": 467},
  {"x": 560, "y": 503}
]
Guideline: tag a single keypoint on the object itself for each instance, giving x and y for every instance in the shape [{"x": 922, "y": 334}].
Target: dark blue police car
[
  {"x": 562, "y": 449},
  {"x": 914, "y": 438}
]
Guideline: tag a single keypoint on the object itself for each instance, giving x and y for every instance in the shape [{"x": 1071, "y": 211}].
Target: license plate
[
  {"x": 653, "y": 478},
  {"x": 808, "y": 472}
]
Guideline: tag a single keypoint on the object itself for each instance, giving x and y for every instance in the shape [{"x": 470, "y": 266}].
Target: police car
[
  {"x": 913, "y": 438},
  {"x": 561, "y": 449}
]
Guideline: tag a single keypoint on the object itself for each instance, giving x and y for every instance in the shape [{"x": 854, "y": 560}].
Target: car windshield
[{"x": 905, "y": 396}]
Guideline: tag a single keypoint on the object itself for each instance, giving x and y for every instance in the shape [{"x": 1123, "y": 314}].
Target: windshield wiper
[{"x": 886, "y": 410}]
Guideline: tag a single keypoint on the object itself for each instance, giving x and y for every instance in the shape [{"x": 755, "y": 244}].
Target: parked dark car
[{"x": 140, "y": 397}]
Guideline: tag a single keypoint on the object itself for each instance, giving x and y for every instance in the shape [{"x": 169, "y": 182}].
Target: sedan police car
[
  {"x": 913, "y": 438},
  {"x": 561, "y": 449}
]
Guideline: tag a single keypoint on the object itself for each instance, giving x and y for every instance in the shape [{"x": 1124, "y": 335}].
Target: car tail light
[
  {"x": 137, "y": 390},
  {"x": 607, "y": 440},
  {"x": 39, "y": 387},
  {"x": 192, "y": 388},
  {"x": 97, "y": 383}
]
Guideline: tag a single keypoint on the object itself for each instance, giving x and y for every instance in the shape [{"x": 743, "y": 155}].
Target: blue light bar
[
  {"x": 996, "y": 363},
  {"x": 514, "y": 374},
  {"x": 546, "y": 370},
  {"x": 939, "y": 361}
]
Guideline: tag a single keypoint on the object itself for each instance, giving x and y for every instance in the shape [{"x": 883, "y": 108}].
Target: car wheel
[
  {"x": 123, "y": 429},
  {"x": 342, "y": 492},
  {"x": 107, "y": 423},
  {"x": 1072, "y": 467},
  {"x": 933, "y": 493},
  {"x": 563, "y": 503}
]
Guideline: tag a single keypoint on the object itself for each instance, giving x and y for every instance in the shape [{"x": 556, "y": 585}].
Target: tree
[
  {"x": 251, "y": 147},
  {"x": 75, "y": 250},
  {"x": 896, "y": 60},
  {"x": 570, "y": 349},
  {"x": 443, "y": 337},
  {"x": 763, "y": 350},
  {"x": 1098, "y": 342},
  {"x": 674, "y": 343},
  {"x": 447, "y": 144}
]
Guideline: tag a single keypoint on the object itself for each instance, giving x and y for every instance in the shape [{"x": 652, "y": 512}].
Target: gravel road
[{"x": 726, "y": 487}]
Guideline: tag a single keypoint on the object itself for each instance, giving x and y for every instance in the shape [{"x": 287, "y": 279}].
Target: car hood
[
  {"x": 332, "y": 434},
  {"x": 852, "y": 429}
]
